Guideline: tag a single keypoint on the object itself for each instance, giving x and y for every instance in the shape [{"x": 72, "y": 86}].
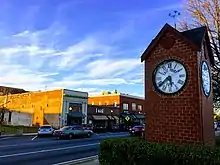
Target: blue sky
[{"x": 87, "y": 45}]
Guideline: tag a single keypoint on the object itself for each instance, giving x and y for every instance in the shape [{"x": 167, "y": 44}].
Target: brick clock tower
[{"x": 178, "y": 88}]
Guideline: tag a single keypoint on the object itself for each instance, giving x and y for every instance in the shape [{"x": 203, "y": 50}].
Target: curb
[
  {"x": 76, "y": 161},
  {"x": 14, "y": 135}
]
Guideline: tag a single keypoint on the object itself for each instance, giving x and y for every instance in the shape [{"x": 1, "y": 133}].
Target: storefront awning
[
  {"x": 111, "y": 118},
  {"x": 116, "y": 117},
  {"x": 75, "y": 114},
  {"x": 139, "y": 116},
  {"x": 99, "y": 117}
]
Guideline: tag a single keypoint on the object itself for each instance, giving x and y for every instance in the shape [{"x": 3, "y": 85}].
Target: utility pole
[{"x": 173, "y": 15}]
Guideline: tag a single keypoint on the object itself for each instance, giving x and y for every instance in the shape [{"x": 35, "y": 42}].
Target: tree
[{"x": 206, "y": 13}]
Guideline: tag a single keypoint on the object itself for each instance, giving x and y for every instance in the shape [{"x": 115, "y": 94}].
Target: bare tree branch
[{"x": 206, "y": 12}]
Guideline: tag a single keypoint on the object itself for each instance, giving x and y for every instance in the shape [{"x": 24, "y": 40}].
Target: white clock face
[
  {"x": 170, "y": 77},
  {"x": 206, "y": 79}
]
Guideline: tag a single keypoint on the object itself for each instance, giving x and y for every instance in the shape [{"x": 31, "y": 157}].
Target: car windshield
[
  {"x": 65, "y": 128},
  {"x": 45, "y": 127}
]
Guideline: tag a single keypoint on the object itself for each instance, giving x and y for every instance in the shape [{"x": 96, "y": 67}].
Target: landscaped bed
[{"x": 136, "y": 151}]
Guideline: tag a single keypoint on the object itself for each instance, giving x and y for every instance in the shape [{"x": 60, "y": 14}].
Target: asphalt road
[{"x": 30, "y": 150}]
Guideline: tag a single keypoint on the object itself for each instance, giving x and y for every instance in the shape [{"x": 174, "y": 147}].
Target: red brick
[{"x": 177, "y": 118}]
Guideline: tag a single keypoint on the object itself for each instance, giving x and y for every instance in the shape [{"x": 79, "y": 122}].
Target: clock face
[
  {"x": 206, "y": 78},
  {"x": 169, "y": 77}
]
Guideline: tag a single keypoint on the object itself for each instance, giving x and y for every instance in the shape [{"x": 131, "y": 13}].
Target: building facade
[
  {"x": 130, "y": 108},
  {"x": 56, "y": 107},
  {"x": 103, "y": 116}
]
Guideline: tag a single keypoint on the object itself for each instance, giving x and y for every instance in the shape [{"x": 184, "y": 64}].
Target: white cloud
[{"x": 112, "y": 67}]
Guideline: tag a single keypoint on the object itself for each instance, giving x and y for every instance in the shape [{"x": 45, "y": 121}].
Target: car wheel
[{"x": 70, "y": 136}]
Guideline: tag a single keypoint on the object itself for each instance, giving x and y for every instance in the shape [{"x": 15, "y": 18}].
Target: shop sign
[{"x": 97, "y": 110}]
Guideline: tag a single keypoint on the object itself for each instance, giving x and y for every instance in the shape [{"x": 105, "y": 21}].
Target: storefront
[{"x": 102, "y": 117}]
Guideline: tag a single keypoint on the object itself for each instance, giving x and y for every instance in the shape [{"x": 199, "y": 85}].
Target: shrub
[{"x": 134, "y": 151}]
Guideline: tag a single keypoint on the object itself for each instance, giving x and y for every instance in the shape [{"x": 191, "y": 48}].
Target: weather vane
[{"x": 173, "y": 15}]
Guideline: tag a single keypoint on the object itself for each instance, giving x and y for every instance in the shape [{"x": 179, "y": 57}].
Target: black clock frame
[
  {"x": 154, "y": 75},
  {"x": 202, "y": 79}
]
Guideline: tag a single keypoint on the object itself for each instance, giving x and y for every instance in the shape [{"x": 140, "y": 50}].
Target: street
[{"x": 30, "y": 150}]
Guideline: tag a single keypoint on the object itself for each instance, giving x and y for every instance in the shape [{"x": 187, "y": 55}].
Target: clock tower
[{"x": 178, "y": 95}]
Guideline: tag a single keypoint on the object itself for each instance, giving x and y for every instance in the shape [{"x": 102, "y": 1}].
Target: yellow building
[{"x": 48, "y": 107}]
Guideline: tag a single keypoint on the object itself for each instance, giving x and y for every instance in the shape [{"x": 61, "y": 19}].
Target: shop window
[
  {"x": 125, "y": 106},
  {"x": 140, "y": 107},
  {"x": 134, "y": 106},
  {"x": 115, "y": 104},
  {"x": 47, "y": 105}
]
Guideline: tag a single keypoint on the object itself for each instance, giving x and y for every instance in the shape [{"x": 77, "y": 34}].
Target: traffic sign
[{"x": 127, "y": 118}]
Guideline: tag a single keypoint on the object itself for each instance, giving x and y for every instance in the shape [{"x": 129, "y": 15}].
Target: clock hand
[
  {"x": 161, "y": 84},
  {"x": 176, "y": 71}
]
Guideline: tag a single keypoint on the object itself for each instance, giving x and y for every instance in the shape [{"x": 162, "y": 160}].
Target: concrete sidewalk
[
  {"x": 15, "y": 135},
  {"x": 92, "y": 162}
]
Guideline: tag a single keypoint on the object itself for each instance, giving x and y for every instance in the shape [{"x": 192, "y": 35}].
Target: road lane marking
[
  {"x": 50, "y": 141},
  {"x": 81, "y": 160},
  {"x": 34, "y": 137},
  {"x": 48, "y": 150}
]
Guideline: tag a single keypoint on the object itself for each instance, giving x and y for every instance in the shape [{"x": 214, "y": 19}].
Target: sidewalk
[
  {"x": 92, "y": 162},
  {"x": 15, "y": 135}
]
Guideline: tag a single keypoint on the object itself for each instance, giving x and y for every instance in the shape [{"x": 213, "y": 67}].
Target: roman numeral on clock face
[
  {"x": 180, "y": 82},
  {"x": 182, "y": 75},
  {"x": 170, "y": 65}
]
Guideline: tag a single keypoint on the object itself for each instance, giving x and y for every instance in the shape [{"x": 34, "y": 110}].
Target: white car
[{"x": 45, "y": 130}]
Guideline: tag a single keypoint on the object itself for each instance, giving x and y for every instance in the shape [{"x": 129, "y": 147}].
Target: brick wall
[
  {"x": 37, "y": 103},
  {"x": 104, "y": 100},
  {"x": 173, "y": 118},
  {"x": 129, "y": 101}
]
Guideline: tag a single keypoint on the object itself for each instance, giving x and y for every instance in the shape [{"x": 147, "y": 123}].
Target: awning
[
  {"x": 75, "y": 114},
  {"x": 116, "y": 117},
  {"x": 111, "y": 118},
  {"x": 99, "y": 117},
  {"x": 139, "y": 116}
]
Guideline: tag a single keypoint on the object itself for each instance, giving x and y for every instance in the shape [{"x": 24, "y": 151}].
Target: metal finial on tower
[{"x": 173, "y": 15}]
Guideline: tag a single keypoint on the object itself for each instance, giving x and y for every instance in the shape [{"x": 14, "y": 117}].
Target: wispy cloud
[{"x": 60, "y": 50}]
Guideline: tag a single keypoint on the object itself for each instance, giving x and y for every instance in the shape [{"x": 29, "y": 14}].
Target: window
[
  {"x": 140, "y": 107},
  {"x": 100, "y": 103},
  {"x": 92, "y": 103},
  {"x": 125, "y": 106},
  {"x": 134, "y": 106},
  {"x": 115, "y": 104}
]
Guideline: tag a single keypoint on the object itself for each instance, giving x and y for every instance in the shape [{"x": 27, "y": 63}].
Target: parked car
[
  {"x": 71, "y": 132},
  {"x": 137, "y": 130},
  {"x": 45, "y": 130}
]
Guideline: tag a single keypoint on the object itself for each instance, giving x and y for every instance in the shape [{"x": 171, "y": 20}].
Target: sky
[{"x": 84, "y": 45}]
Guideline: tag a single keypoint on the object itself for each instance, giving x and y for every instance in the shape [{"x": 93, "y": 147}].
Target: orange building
[
  {"x": 56, "y": 107},
  {"x": 130, "y": 107}
]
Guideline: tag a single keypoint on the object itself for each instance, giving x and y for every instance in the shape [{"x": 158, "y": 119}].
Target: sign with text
[{"x": 97, "y": 110}]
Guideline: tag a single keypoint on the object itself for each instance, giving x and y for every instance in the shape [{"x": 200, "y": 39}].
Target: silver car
[{"x": 45, "y": 130}]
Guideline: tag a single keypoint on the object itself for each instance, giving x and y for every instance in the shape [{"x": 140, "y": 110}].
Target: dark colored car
[{"x": 137, "y": 130}]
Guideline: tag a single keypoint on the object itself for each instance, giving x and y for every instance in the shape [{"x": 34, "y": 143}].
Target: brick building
[
  {"x": 56, "y": 107},
  {"x": 4, "y": 90},
  {"x": 184, "y": 116},
  {"x": 129, "y": 109}
]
